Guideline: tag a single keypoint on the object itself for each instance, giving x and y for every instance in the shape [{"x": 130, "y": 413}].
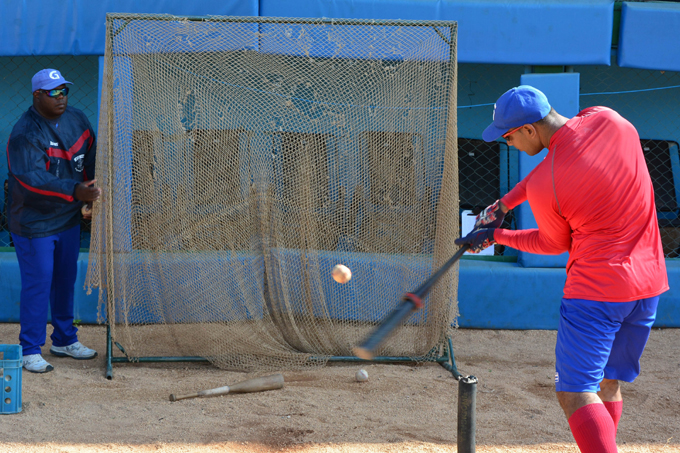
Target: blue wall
[
  {"x": 534, "y": 306},
  {"x": 77, "y": 27},
  {"x": 648, "y": 36},
  {"x": 489, "y": 31}
]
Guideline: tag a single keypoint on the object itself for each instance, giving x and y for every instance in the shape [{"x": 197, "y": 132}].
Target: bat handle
[
  {"x": 425, "y": 288},
  {"x": 174, "y": 397},
  {"x": 366, "y": 349}
]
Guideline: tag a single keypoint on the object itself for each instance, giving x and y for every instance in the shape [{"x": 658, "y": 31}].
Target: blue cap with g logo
[
  {"x": 47, "y": 79},
  {"x": 516, "y": 107}
]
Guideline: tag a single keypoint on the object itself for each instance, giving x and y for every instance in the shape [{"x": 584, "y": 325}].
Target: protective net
[{"x": 242, "y": 158}]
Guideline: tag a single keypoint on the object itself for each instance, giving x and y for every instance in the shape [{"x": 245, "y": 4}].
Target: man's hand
[
  {"x": 491, "y": 217},
  {"x": 85, "y": 191},
  {"x": 478, "y": 240}
]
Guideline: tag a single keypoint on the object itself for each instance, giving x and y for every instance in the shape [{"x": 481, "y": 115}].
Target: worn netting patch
[{"x": 242, "y": 158}]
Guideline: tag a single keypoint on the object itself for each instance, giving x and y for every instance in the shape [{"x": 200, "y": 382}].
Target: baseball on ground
[
  {"x": 341, "y": 273},
  {"x": 361, "y": 376}
]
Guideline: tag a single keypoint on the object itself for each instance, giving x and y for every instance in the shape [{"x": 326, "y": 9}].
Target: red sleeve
[
  {"x": 535, "y": 240},
  {"x": 553, "y": 235},
  {"x": 516, "y": 196}
]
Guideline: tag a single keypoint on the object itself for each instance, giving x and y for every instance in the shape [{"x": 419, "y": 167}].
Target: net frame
[{"x": 447, "y": 220}]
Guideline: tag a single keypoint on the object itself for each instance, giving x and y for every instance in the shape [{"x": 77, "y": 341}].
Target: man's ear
[{"x": 531, "y": 130}]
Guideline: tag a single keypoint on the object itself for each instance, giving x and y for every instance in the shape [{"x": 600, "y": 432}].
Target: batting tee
[{"x": 241, "y": 158}]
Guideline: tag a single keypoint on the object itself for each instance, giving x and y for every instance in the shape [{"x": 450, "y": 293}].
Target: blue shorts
[{"x": 601, "y": 340}]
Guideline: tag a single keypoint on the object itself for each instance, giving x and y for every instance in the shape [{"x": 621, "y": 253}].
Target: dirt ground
[{"x": 402, "y": 408}]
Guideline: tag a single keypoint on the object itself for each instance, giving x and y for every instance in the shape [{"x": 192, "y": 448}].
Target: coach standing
[
  {"x": 50, "y": 156},
  {"x": 591, "y": 196}
]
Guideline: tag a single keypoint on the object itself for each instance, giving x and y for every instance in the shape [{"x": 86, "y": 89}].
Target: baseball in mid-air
[
  {"x": 341, "y": 273},
  {"x": 361, "y": 376}
]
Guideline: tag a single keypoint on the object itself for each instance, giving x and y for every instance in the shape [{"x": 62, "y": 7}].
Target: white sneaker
[
  {"x": 76, "y": 350},
  {"x": 36, "y": 364}
]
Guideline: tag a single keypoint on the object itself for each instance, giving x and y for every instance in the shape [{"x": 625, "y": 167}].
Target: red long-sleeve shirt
[{"x": 600, "y": 208}]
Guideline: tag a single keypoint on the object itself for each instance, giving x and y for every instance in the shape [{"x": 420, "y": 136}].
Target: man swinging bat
[{"x": 591, "y": 196}]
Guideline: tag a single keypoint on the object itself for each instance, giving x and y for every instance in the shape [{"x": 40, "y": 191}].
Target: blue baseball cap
[
  {"x": 516, "y": 107},
  {"x": 47, "y": 79}
]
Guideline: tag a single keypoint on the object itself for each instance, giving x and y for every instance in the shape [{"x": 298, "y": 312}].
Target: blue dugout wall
[{"x": 500, "y": 45}]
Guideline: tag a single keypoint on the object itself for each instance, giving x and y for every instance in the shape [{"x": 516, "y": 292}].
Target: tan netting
[{"x": 242, "y": 158}]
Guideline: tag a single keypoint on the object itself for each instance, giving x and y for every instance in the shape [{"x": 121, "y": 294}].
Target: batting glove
[
  {"x": 478, "y": 240},
  {"x": 491, "y": 217}
]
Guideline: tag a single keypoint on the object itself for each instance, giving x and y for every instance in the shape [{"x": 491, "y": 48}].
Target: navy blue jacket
[{"x": 45, "y": 164}]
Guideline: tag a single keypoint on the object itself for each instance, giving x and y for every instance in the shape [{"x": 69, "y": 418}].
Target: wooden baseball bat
[
  {"x": 412, "y": 302},
  {"x": 273, "y": 382}
]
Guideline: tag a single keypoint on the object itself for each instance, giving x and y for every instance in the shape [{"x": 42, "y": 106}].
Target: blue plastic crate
[{"x": 10, "y": 377}]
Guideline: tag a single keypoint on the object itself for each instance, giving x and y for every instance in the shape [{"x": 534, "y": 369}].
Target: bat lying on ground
[
  {"x": 273, "y": 382},
  {"x": 411, "y": 303}
]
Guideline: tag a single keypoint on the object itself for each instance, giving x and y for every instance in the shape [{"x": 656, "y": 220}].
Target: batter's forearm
[
  {"x": 530, "y": 241},
  {"x": 504, "y": 208}
]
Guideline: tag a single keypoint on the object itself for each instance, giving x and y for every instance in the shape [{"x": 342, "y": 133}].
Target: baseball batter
[{"x": 593, "y": 197}]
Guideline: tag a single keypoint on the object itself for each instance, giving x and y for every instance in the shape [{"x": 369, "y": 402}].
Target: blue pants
[
  {"x": 598, "y": 340},
  {"x": 48, "y": 268}
]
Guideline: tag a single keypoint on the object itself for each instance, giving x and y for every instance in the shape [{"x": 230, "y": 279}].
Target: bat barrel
[
  {"x": 261, "y": 384},
  {"x": 412, "y": 302},
  {"x": 367, "y": 349}
]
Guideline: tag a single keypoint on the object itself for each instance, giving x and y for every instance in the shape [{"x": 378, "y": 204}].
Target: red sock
[
  {"x": 614, "y": 408},
  {"x": 593, "y": 429}
]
